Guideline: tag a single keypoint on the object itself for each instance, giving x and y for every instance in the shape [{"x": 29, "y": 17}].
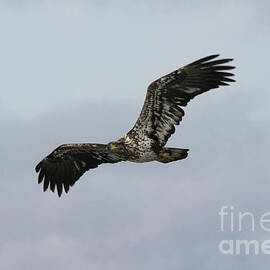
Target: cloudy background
[{"x": 77, "y": 71}]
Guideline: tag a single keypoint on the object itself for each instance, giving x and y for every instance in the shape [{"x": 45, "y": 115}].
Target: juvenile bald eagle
[{"x": 146, "y": 140}]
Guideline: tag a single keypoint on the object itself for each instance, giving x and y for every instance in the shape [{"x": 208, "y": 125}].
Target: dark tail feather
[{"x": 172, "y": 154}]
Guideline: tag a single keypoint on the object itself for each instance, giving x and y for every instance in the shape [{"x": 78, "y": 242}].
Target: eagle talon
[{"x": 165, "y": 154}]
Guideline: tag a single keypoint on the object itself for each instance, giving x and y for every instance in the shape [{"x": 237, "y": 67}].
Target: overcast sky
[{"x": 77, "y": 71}]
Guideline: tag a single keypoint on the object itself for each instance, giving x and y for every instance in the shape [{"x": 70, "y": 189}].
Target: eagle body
[
  {"x": 140, "y": 148},
  {"x": 146, "y": 141}
]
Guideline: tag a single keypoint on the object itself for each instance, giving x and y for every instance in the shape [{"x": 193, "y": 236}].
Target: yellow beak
[{"x": 113, "y": 146}]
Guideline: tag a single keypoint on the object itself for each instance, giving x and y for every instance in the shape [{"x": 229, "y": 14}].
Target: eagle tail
[{"x": 167, "y": 155}]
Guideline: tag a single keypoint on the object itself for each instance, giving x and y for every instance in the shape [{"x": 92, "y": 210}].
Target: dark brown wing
[
  {"x": 67, "y": 163},
  {"x": 161, "y": 109}
]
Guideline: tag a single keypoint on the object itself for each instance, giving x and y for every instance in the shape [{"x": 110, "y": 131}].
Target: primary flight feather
[{"x": 147, "y": 139}]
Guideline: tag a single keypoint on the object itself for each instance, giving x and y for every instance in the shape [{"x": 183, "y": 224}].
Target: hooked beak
[{"x": 112, "y": 146}]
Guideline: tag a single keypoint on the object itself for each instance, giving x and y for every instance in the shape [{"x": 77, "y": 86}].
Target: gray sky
[{"x": 77, "y": 71}]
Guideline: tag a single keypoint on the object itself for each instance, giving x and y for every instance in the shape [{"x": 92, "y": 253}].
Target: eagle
[{"x": 146, "y": 141}]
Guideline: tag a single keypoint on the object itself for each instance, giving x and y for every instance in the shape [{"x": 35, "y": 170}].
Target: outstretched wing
[
  {"x": 161, "y": 109},
  {"x": 67, "y": 163}
]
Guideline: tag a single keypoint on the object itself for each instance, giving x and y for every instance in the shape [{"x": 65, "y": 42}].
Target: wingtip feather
[
  {"x": 59, "y": 189},
  {"x": 37, "y": 168},
  {"x": 41, "y": 176}
]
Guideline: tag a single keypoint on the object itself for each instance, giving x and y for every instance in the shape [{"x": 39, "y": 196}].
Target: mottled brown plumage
[{"x": 147, "y": 139}]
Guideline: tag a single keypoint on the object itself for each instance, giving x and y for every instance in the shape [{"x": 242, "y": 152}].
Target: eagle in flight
[{"x": 147, "y": 139}]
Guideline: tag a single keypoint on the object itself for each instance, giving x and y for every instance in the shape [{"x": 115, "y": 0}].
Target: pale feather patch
[
  {"x": 191, "y": 90},
  {"x": 83, "y": 164},
  {"x": 76, "y": 165}
]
